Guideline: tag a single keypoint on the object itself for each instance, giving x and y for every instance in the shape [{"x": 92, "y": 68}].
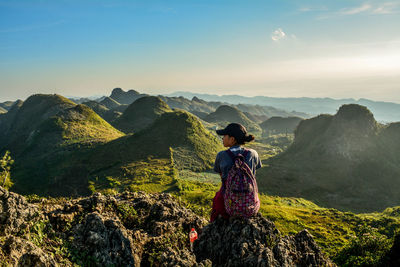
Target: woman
[{"x": 234, "y": 135}]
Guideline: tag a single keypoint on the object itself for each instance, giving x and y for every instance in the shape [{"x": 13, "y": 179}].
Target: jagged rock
[
  {"x": 178, "y": 258},
  {"x": 15, "y": 212},
  {"x": 139, "y": 229},
  {"x": 256, "y": 242},
  {"x": 127, "y": 229},
  {"x": 24, "y": 253},
  {"x": 105, "y": 241}
]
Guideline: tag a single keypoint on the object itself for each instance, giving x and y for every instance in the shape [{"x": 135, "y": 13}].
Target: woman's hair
[{"x": 245, "y": 139}]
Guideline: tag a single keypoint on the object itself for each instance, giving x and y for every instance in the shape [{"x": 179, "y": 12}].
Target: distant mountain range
[
  {"x": 217, "y": 114},
  {"x": 347, "y": 160},
  {"x": 383, "y": 111}
]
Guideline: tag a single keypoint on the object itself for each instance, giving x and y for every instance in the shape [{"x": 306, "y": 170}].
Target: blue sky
[{"x": 336, "y": 49}]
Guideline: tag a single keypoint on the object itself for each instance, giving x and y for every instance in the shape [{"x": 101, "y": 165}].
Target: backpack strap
[
  {"x": 245, "y": 153},
  {"x": 233, "y": 156}
]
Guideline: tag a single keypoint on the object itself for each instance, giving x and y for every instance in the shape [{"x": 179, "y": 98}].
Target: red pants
[{"x": 218, "y": 207}]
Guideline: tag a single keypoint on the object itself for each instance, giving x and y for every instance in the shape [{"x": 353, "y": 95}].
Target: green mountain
[
  {"x": 279, "y": 125},
  {"x": 121, "y": 108},
  {"x": 6, "y": 121},
  {"x": 256, "y": 118},
  {"x": 194, "y": 106},
  {"x": 2, "y": 110},
  {"x": 47, "y": 129},
  {"x": 23, "y": 118},
  {"x": 75, "y": 125},
  {"x": 96, "y": 107},
  {"x": 76, "y": 147},
  {"x": 110, "y": 103},
  {"x": 178, "y": 135},
  {"x": 123, "y": 97},
  {"x": 346, "y": 161},
  {"x": 103, "y": 111},
  {"x": 226, "y": 114},
  {"x": 141, "y": 113},
  {"x": 119, "y": 101}
]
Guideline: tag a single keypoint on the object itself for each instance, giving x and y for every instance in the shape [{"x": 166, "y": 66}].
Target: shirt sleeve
[{"x": 217, "y": 167}]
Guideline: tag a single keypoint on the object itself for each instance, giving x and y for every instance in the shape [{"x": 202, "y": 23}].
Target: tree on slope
[{"x": 5, "y": 166}]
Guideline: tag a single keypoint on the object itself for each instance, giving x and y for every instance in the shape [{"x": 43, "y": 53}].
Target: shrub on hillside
[{"x": 365, "y": 249}]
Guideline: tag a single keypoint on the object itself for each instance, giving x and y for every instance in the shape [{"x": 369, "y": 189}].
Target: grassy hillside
[
  {"x": 110, "y": 103},
  {"x": 141, "y": 113},
  {"x": 77, "y": 148},
  {"x": 256, "y": 118},
  {"x": 194, "y": 146},
  {"x": 79, "y": 125},
  {"x": 346, "y": 161},
  {"x": 54, "y": 140},
  {"x": 24, "y": 118},
  {"x": 107, "y": 114}
]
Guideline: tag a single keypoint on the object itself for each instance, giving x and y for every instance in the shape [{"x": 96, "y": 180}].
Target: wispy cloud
[
  {"x": 355, "y": 10},
  {"x": 366, "y": 8},
  {"x": 387, "y": 8}
]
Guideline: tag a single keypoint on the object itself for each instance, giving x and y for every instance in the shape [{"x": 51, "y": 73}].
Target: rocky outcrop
[
  {"x": 17, "y": 216},
  {"x": 139, "y": 229},
  {"x": 256, "y": 242},
  {"x": 24, "y": 253},
  {"x": 15, "y": 212}
]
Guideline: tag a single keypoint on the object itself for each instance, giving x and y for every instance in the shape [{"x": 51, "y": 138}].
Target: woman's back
[{"x": 224, "y": 162}]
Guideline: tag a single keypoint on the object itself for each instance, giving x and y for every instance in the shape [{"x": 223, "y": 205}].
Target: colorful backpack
[{"x": 241, "y": 191}]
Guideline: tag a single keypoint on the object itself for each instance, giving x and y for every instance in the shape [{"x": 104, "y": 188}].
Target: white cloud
[
  {"x": 277, "y": 35},
  {"x": 386, "y": 8},
  {"x": 366, "y": 8},
  {"x": 355, "y": 10}
]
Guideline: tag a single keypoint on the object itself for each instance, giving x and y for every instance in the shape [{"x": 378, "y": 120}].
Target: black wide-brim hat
[{"x": 234, "y": 129}]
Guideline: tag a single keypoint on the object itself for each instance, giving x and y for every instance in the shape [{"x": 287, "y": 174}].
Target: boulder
[{"x": 256, "y": 242}]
